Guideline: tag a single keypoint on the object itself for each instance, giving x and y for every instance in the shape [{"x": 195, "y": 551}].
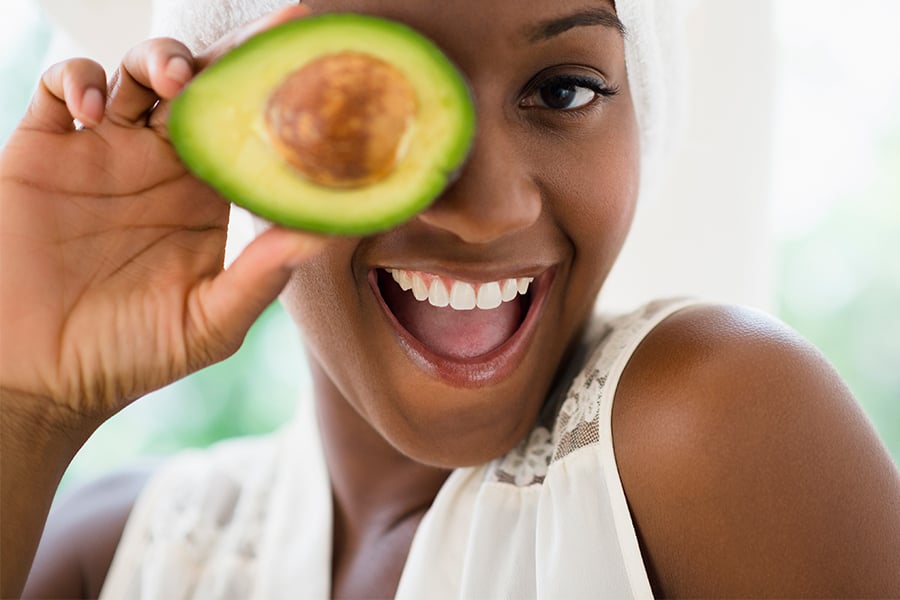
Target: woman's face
[{"x": 547, "y": 194}]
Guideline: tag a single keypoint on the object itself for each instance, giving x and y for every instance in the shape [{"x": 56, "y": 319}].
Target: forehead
[{"x": 476, "y": 24}]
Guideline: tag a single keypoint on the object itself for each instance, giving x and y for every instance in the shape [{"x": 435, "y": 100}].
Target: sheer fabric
[{"x": 251, "y": 518}]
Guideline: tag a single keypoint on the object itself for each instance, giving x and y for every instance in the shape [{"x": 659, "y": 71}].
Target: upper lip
[{"x": 414, "y": 247}]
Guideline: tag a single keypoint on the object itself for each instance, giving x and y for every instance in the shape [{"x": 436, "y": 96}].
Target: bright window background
[
  {"x": 837, "y": 192},
  {"x": 836, "y": 214}
]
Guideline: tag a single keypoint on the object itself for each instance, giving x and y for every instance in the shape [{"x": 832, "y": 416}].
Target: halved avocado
[{"x": 339, "y": 123}]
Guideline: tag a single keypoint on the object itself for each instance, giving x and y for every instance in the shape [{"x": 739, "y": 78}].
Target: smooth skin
[{"x": 748, "y": 467}]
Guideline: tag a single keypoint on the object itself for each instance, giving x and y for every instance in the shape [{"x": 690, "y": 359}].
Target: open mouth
[{"x": 468, "y": 328}]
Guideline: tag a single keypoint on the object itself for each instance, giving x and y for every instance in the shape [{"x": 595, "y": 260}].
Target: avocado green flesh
[{"x": 217, "y": 126}]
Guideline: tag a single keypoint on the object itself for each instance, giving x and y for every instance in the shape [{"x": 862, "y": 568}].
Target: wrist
[
  {"x": 32, "y": 426},
  {"x": 35, "y": 450}
]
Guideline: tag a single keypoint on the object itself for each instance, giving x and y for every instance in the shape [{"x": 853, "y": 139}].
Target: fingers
[
  {"x": 237, "y": 37},
  {"x": 236, "y": 297},
  {"x": 74, "y": 89},
  {"x": 77, "y": 88},
  {"x": 156, "y": 69}
]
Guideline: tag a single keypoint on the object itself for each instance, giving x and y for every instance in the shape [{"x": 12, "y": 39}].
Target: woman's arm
[
  {"x": 95, "y": 514},
  {"x": 749, "y": 467}
]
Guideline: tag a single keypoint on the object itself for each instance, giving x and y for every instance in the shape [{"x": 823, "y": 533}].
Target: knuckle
[
  {"x": 157, "y": 46},
  {"x": 152, "y": 54},
  {"x": 86, "y": 64},
  {"x": 167, "y": 45},
  {"x": 82, "y": 67},
  {"x": 74, "y": 71},
  {"x": 55, "y": 67}
]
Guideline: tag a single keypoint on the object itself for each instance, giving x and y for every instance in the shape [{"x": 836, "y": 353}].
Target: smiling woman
[
  {"x": 473, "y": 428},
  {"x": 528, "y": 222}
]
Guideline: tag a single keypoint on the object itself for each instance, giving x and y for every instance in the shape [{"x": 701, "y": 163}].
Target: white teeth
[
  {"x": 489, "y": 296},
  {"x": 462, "y": 296},
  {"x": 437, "y": 294},
  {"x": 509, "y": 289},
  {"x": 419, "y": 289},
  {"x": 402, "y": 278}
]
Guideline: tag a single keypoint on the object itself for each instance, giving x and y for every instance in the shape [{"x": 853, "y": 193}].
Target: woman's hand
[
  {"x": 111, "y": 269},
  {"x": 111, "y": 282}
]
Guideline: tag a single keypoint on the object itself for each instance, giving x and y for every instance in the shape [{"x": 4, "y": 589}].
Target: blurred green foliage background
[{"x": 838, "y": 283}]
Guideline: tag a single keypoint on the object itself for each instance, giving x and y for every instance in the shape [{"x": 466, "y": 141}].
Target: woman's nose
[{"x": 494, "y": 195}]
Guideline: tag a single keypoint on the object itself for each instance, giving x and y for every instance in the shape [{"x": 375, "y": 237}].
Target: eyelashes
[{"x": 566, "y": 92}]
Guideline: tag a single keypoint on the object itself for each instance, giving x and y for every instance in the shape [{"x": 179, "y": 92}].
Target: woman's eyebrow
[{"x": 587, "y": 17}]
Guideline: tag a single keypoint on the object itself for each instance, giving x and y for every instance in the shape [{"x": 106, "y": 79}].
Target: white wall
[{"x": 706, "y": 232}]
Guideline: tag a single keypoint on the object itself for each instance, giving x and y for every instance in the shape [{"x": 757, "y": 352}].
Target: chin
[
  {"x": 447, "y": 386},
  {"x": 459, "y": 430}
]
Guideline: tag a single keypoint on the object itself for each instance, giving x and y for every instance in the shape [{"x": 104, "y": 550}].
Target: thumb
[{"x": 224, "y": 308}]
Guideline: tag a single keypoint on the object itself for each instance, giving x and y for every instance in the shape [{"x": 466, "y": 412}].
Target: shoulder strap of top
[
  {"x": 580, "y": 418},
  {"x": 571, "y": 465},
  {"x": 586, "y": 420}
]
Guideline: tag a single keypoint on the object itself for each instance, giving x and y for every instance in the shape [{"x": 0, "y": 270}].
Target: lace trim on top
[{"x": 574, "y": 417}]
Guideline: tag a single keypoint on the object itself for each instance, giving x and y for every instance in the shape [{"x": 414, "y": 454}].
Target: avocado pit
[{"x": 342, "y": 120}]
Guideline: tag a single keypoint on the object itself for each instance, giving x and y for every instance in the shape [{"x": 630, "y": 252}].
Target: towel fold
[{"x": 199, "y": 23}]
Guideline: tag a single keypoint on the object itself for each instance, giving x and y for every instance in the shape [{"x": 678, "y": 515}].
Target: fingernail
[
  {"x": 91, "y": 107},
  {"x": 179, "y": 70}
]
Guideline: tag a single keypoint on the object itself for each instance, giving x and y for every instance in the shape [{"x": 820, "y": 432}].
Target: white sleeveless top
[{"x": 251, "y": 518}]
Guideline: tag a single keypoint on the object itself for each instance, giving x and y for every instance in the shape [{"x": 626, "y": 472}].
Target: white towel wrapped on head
[{"x": 199, "y": 23}]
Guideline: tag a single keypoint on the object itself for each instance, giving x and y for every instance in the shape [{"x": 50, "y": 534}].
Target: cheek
[
  {"x": 323, "y": 301},
  {"x": 603, "y": 206},
  {"x": 593, "y": 184},
  {"x": 592, "y": 190}
]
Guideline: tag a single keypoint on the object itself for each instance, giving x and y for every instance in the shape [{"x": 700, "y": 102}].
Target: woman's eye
[
  {"x": 567, "y": 96},
  {"x": 566, "y": 93}
]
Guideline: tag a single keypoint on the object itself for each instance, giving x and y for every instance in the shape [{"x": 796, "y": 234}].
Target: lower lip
[{"x": 488, "y": 369}]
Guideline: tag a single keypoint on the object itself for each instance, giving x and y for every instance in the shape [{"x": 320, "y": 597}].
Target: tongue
[{"x": 453, "y": 333}]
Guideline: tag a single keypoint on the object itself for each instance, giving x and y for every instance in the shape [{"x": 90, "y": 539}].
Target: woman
[{"x": 457, "y": 453}]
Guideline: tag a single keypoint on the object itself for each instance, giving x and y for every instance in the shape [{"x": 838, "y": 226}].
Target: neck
[{"x": 374, "y": 487}]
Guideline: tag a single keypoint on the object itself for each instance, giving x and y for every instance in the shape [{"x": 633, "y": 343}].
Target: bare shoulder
[
  {"x": 81, "y": 536},
  {"x": 748, "y": 466}
]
